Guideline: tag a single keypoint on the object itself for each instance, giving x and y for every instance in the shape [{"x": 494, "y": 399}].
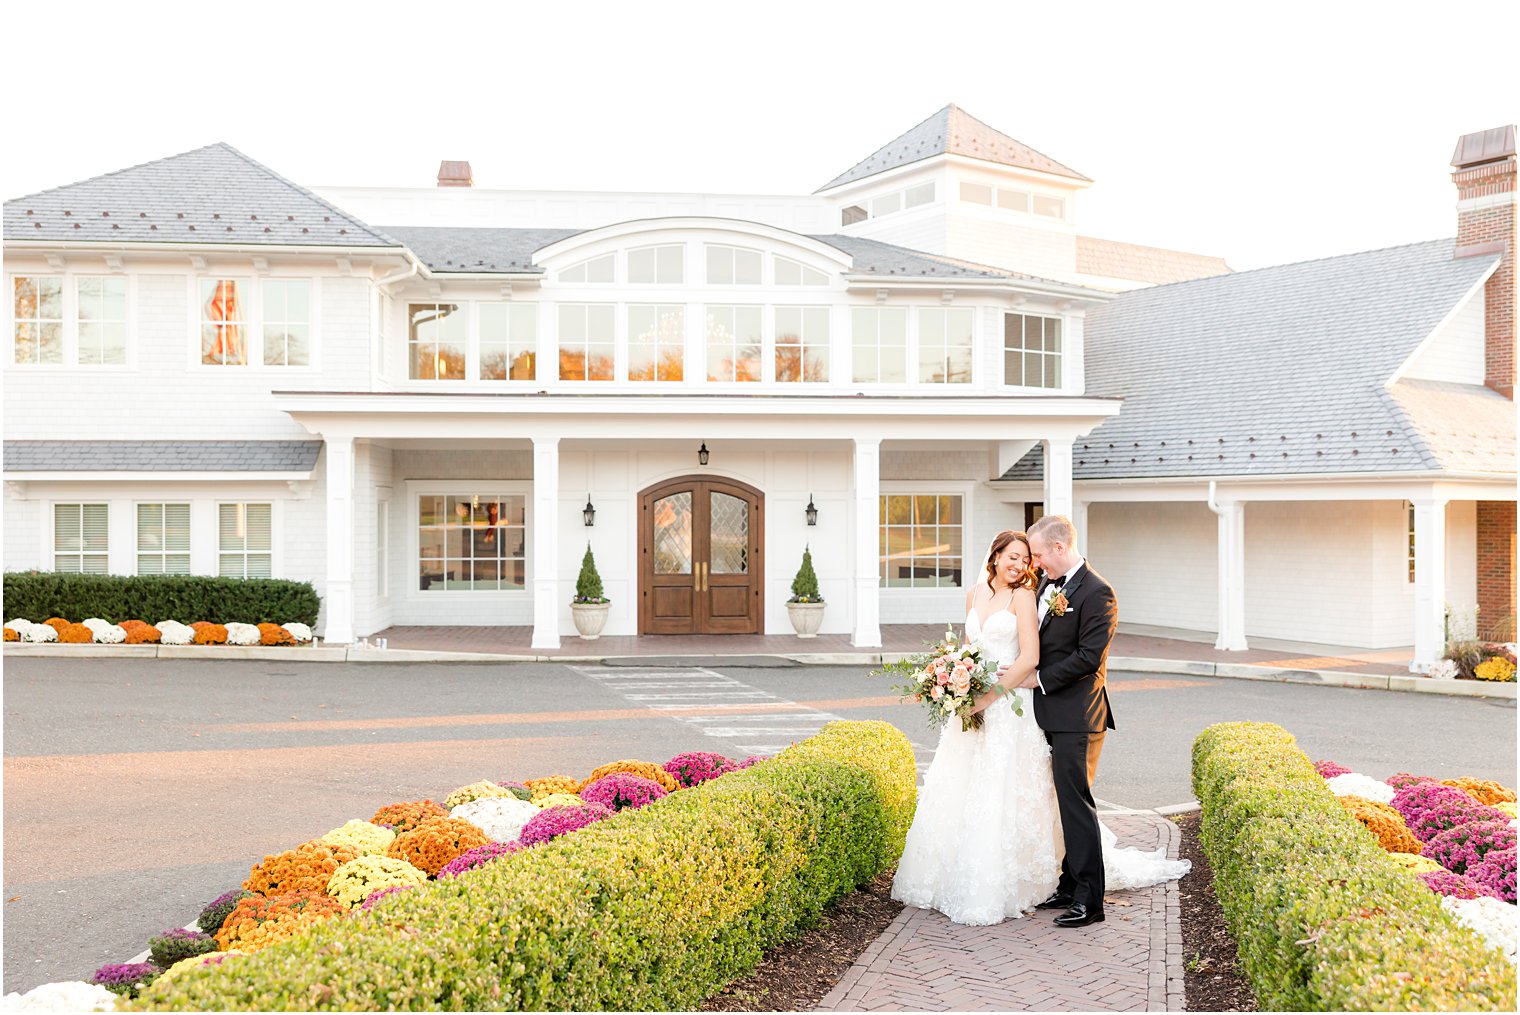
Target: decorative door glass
[
  {"x": 672, "y": 534},
  {"x": 730, "y": 534}
]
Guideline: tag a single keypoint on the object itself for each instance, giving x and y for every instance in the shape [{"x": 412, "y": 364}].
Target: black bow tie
[{"x": 1058, "y": 582}]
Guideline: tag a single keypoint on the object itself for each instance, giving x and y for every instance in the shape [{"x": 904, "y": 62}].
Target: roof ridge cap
[{"x": 1406, "y": 424}]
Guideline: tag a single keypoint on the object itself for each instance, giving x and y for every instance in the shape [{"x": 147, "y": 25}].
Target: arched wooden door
[{"x": 701, "y": 569}]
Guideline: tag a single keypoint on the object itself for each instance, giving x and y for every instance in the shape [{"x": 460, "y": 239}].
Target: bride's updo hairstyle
[{"x": 1030, "y": 579}]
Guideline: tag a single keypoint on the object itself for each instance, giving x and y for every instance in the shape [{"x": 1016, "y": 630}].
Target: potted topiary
[
  {"x": 805, "y": 608},
  {"x": 589, "y": 607}
]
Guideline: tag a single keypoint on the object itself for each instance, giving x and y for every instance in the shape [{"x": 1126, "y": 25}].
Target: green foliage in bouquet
[
  {"x": 1323, "y": 919},
  {"x": 805, "y": 585},
  {"x": 588, "y": 584}
]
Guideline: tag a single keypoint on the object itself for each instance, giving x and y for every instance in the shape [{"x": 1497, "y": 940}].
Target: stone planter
[
  {"x": 806, "y": 618},
  {"x": 590, "y": 618}
]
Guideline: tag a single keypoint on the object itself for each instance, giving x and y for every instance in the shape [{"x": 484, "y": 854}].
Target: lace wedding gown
[{"x": 986, "y": 843}]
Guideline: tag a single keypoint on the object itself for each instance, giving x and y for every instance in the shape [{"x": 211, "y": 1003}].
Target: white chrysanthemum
[
  {"x": 111, "y": 634},
  {"x": 300, "y": 632},
  {"x": 18, "y": 625},
  {"x": 1364, "y": 786},
  {"x": 96, "y": 625},
  {"x": 501, "y": 818},
  {"x": 74, "y": 995},
  {"x": 1444, "y": 669},
  {"x": 172, "y": 632},
  {"x": 1497, "y": 921},
  {"x": 39, "y": 632},
  {"x": 242, "y": 634}
]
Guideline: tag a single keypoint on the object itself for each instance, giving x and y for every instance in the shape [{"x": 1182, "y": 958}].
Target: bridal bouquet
[{"x": 948, "y": 679}]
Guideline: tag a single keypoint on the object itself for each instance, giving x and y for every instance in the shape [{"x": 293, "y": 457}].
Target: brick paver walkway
[{"x": 1130, "y": 962}]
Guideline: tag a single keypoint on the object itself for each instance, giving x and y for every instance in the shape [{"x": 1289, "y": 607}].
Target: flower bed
[
  {"x": 652, "y": 908},
  {"x": 165, "y": 632},
  {"x": 1324, "y": 918}
]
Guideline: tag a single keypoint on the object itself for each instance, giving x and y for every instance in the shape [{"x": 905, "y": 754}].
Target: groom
[{"x": 1077, "y": 616}]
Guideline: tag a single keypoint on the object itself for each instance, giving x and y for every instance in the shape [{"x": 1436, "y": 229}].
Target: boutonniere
[{"x": 1055, "y": 602}]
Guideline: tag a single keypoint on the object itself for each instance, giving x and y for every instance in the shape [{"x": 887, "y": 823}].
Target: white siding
[
  {"x": 1162, "y": 560},
  {"x": 1456, "y": 352}
]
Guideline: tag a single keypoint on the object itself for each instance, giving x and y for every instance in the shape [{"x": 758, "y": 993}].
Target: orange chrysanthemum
[
  {"x": 11, "y": 635},
  {"x": 631, "y": 767},
  {"x": 308, "y": 867},
  {"x": 404, "y": 817},
  {"x": 210, "y": 634},
  {"x": 58, "y": 624},
  {"x": 258, "y": 922},
  {"x": 1385, "y": 823},
  {"x": 76, "y": 634},
  {"x": 274, "y": 634},
  {"x": 128, "y": 625},
  {"x": 1485, "y": 790},
  {"x": 435, "y": 842},
  {"x": 144, "y": 634}
]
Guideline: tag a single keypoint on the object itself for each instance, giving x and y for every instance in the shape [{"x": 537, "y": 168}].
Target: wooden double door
[{"x": 700, "y": 565}]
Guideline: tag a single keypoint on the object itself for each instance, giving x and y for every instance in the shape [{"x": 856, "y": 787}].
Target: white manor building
[{"x": 429, "y": 401}]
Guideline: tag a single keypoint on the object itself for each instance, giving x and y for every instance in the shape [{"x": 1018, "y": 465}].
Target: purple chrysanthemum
[
  {"x": 1458, "y": 886},
  {"x": 695, "y": 767},
  {"x": 477, "y": 857},
  {"x": 1495, "y": 874},
  {"x": 1330, "y": 769},
  {"x": 125, "y": 978},
  {"x": 1443, "y": 817},
  {"x": 1461, "y": 847},
  {"x": 1403, "y": 780},
  {"x": 553, "y": 822},
  {"x": 753, "y": 759},
  {"x": 622, "y": 791},
  {"x": 380, "y": 893},
  {"x": 216, "y": 911},
  {"x": 178, "y": 943},
  {"x": 519, "y": 790}
]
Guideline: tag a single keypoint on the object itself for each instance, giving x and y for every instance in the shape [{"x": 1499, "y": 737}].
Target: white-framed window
[
  {"x": 1409, "y": 545},
  {"x": 224, "y": 321},
  {"x": 922, "y": 194},
  {"x": 436, "y": 335},
  {"x": 382, "y": 548},
  {"x": 886, "y": 204},
  {"x": 37, "y": 319},
  {"x": 508, "y": 341},
  {"x": 587, "y": 341},
  {"x": 790, "y": 272},
  {"x": 287, "y": 322},
  {"x": 81, "y": 538},
  {"x": 879, "y": 345},
  {"x": 915, "y": 196},
  {"x": 472, "y": 542},
  {"x": 163, "y": 539},
  {"x": 946, "y": 337},
  {"x": 734, "y": 343},
  {"x": 592, "y": 270},
  {"x": 100, "y": 319},
  {"x": 976, "y": 193},
  {"x": 1012, "y": 200},
  {"x": 664, "y": 264},
  {"x": 1054, "y": 207},
  {"x": 1031, "y": 351},
  {"x": 921, "y": 540},
  {"x": 802, "y": 344},
  {"x": 245, "y": 540},
  {"x": 728, "y": 265},
  {"x": 656, "y": 342}
]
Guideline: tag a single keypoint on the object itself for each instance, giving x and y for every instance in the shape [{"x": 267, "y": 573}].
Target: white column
[
  {"x": 1232, "y": 575},
  {"x": 867, "y": 632},
  {"x": 546, "y": 542},
  {"x": 1429, "y": 583},
  {"x": 339, "y": 477},
  {"x": 1058, "y": 498}
]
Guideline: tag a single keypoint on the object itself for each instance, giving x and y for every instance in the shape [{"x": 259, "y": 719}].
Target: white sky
[{"x": 1264, "y": 133}]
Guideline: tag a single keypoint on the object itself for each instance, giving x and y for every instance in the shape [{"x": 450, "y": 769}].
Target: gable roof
[
  {"x": 214, "y": 194},
  {"x": 1284, "y": 371},
  {"x": 952, "y": 131}
]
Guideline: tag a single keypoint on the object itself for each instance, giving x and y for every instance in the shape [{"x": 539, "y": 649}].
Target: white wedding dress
[{"x": 985, "y": 844}]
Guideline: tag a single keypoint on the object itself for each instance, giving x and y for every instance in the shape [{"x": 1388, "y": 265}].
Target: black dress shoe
[
  {"x": 1079, "y": 915},
  {"x": 1060, "y": 900}
]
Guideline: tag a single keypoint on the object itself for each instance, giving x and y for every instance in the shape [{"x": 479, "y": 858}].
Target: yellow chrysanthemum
[
  {"x": 1415, "y": 863},
  {"x": 475, "y": 791},
  {"x": 557, "y": 800},
  {"x": 352, "y": 883},
  {"x": 364, "y": 836}
]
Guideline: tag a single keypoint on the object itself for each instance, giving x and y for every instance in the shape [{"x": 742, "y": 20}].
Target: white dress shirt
[{"x": 1045, "y": 607}]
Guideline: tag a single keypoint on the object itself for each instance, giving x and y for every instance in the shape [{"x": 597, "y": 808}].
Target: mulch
[
  {"x": 795, "y": 976},
  {"x": 1213, "y": 979}
]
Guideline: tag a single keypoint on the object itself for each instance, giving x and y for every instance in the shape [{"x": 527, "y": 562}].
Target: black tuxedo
[{"x": 1071, "y": 706}]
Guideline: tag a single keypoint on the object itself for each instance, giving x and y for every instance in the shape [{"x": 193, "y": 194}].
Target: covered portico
[{"x": 560, "y": 453}]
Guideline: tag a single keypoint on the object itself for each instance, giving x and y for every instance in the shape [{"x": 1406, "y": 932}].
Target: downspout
[{"x": 402, "y": 274}]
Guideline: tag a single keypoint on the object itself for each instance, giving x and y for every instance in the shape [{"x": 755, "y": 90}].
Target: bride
[{"x": 986, "y": 844}]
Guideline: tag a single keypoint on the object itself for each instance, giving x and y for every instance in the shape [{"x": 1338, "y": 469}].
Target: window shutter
[
  {"x": 230, "y": 536},
  {"x": 177, "y": 527},
  {"x": 66, "y": 534},
  {"x": 260, "y": 527},
  {"x": 260, "y": 565},
  {"x": 149, "y": 528}
]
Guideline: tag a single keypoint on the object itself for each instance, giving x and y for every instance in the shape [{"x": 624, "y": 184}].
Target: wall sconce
[
  {"x": 812, "y": 511},
  {"x": 588, "y": 513},
  {"x": 702, "y": 454}
]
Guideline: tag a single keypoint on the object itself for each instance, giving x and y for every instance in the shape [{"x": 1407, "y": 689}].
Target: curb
[{"x": 1117, "y": 664}]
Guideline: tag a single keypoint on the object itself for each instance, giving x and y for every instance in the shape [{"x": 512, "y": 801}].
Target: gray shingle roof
[
  {"x": 214, "y": 194},
  {"x": 447, "y": 249},
  {"x": 952, "y": 131},
  {"x": 1282, "y": 371},
  {"x": 162, "y": 456}
]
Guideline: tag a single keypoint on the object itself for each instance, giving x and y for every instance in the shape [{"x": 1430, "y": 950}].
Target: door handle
[{"x": 702, "y": 576}]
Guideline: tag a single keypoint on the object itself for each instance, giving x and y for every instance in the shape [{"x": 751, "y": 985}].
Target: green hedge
[
  {"x": 653, "y": 909},
  {"x": 39, "y": 595},
  {"x": 1322, "y": 918}
]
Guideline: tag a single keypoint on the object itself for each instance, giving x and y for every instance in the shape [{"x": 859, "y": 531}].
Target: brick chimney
[
  {"x": 1485, "y": 179},
  {"x": 457, "y": 174}
]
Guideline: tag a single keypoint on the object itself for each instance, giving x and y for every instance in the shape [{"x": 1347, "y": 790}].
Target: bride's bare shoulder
[{"x": 1024, "y": 597}]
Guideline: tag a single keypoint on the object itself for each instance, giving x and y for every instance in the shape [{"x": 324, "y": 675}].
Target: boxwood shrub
[
  {"x": 1322, "y": 918},
  {"x": 38, "y": 595},
  {"x": 651, "y": 909}
]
